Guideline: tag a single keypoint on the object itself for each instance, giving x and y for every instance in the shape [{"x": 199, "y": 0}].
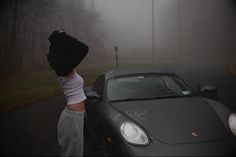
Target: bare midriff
[{"x": 76, "y": 107}]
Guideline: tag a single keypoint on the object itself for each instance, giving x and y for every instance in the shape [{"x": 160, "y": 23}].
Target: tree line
[{"x": 26, "y": 24}]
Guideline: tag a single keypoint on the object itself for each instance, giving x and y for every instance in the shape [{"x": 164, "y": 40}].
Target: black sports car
[{"x": 145, "y": 112}]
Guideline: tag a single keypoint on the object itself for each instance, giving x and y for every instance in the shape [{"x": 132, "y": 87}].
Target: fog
[
  {"x": 168, "y": 32},
  {"x": 128, "y": 23},
  {"x": 185, "y": 31}
]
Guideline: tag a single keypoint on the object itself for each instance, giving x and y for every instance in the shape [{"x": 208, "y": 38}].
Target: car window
[
  {"x": 172, "y": 85},
  {"x": 99, "y": 85},
  {"x": 146, "y": 86}
]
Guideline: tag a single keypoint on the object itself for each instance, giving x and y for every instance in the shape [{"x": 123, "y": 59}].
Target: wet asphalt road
[{"x": 31, "y": 130}]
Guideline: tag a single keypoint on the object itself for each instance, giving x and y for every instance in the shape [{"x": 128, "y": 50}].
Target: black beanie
[{"x": 65, "y": 52}]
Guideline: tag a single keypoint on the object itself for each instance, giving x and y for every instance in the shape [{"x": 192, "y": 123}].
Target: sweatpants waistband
[{"x": 67, "y": 111}]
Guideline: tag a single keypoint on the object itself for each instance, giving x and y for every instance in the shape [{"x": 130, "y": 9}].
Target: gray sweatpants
[{"x": 70, "y": 133}]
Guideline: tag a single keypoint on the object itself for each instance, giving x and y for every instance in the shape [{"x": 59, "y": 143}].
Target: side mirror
[
  {"x": 208, "y": 88},
  {"x": 209, "y": 91},
  {"x": 92, "y": 95}
]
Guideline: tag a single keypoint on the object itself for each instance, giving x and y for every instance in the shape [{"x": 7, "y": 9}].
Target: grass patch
[
  {"x": 26, "y": 88},
  {"x": 91, "y": 72}
]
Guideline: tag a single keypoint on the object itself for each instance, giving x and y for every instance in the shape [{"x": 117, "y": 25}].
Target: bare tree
[{"x": 26, "y": 24}]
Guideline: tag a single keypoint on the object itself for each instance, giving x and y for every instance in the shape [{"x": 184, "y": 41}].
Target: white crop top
[{"x": 72, "y": 88}]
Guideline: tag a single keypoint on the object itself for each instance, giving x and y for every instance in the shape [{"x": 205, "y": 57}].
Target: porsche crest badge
[{"x": 195, "y": 134}]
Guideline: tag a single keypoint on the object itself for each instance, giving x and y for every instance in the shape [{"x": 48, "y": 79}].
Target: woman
[
  {"x": 71, "y": 122},
  {"x": 65, "y": 53}
]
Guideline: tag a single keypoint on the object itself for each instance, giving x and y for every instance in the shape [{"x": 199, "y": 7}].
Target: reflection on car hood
[{"x": 176, "y": 120}]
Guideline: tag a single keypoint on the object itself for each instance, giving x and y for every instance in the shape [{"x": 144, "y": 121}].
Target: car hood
[{"x": 176, "y": 120}]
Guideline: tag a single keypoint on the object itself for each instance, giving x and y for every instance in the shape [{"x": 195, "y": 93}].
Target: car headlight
[
  {"x": 133, "y": 134},
  {"x": 232, "y": 123}
]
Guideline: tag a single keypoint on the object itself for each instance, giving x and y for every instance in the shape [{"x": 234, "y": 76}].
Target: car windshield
[{"x": 138, "y": 87}]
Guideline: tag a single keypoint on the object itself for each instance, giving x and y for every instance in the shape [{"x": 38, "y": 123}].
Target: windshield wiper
[
  {"x": 172, "y": 96},
  {"x": 151, "y": 98},
  {"x": 128, "y": 99}
]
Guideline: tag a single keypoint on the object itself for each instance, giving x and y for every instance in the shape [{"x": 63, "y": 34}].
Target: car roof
[{"x": 132, "y": 71}]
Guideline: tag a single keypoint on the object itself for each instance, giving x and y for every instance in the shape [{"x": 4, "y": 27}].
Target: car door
[
  {"x": 94, "y": 107},
  {"x": 99, "y": 86}
]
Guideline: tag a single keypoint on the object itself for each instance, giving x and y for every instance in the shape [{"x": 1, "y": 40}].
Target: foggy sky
[
  {"x": 127, "y": 22},
  {"x": 185, "y": 30}
]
